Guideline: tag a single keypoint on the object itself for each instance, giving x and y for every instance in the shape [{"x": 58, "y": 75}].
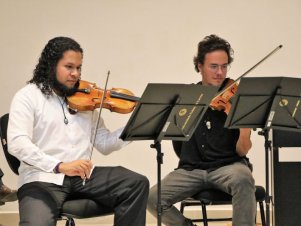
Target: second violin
[{"x": 222, "y": 102}]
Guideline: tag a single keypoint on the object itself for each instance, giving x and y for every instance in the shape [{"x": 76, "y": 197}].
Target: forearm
[
  {"x": 107, "y": 141},
  {"x": 244, "y": 142}
]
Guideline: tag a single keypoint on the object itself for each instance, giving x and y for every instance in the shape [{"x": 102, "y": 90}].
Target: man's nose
[{"x": 75, "y": 72}]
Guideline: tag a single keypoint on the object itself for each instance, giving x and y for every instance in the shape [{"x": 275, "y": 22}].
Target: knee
[
  {"x": 144, "y": 182},
  {"x": 247, "y": 180},
  {"x": 140, "y": 182},
  {"x": 244, "y": 182},
  {"x": 134, "y": 179},
  {"x": 152, "y": 199}
]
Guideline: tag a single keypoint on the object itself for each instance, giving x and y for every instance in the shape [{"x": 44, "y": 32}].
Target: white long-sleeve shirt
[{"x": 39, "y": 138}]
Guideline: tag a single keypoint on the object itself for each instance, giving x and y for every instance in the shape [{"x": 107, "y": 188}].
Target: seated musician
[
  {"x": 54, "y": 146},
  {"x": 214, "y": 157}
]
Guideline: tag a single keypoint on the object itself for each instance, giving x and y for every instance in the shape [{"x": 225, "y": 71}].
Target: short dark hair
[
  {"x": 45, "y": 71},
  {"x": 209, "y": 44}
]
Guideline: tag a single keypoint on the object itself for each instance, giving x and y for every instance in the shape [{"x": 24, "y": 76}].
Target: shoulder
[
  {"x": 29, "y": 90},
  {"x": 29, "y": 95}
]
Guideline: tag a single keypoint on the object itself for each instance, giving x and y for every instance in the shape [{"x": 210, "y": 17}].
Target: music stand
[
  {"x": 267, "y": 103},
  {"x": 167, "y": 112}
]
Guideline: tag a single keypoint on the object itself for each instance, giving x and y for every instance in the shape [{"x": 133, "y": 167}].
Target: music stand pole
[
  {"x": 268, "y": 147},
  {"x": 157, "y": 146}
]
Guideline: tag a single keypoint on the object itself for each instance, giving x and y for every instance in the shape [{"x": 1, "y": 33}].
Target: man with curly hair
[
  {"x": 214, "y": 157},
  {"x": 54, "y": 146}
]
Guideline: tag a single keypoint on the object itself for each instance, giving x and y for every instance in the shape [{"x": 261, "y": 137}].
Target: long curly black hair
[
  {"x": 209, "y": 44},
  {"x": 44, "y": 74}
]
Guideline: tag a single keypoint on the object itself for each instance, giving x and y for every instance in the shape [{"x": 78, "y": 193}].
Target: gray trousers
[
  {"x": 124, "y": 191},
  {"x": 235, "y": 179}
]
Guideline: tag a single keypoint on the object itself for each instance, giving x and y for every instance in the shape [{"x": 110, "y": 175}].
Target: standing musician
[
  {"x": 214, "y": 157},
  {"x": 54, "y": 146}
]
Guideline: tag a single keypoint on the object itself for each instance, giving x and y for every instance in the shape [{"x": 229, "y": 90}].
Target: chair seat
[
  {"x": 84, "y": 208},
  {"x": 219, "y": 197}
]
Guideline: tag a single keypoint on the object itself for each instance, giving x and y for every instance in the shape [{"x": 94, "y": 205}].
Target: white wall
[{"x": 143, "y": 42}]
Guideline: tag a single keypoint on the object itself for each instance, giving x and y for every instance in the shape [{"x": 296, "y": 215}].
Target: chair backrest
[{"x": 12, "y": 161}]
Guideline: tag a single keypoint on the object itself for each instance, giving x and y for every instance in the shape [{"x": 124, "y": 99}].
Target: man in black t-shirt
[{"x": 214, "y": 157}]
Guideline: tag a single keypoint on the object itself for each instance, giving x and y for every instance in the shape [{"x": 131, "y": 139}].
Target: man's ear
[{"x": 200, "y": 66}]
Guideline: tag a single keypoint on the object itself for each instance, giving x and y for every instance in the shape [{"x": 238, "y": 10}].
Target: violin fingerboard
[{"x": 123, "y": 96}]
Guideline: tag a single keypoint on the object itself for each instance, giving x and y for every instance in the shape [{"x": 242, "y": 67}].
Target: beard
[{"x": 64, "y": 90}]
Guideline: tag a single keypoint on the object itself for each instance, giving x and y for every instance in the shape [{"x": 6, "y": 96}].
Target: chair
[
  {"x": 217, "y": 197},
  {"x": 72, "y": 209}
]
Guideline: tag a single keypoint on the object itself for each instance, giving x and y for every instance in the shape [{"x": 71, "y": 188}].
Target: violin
[
  {"x": 89, "y": 97},
  {"x": 222, "y": 102}
]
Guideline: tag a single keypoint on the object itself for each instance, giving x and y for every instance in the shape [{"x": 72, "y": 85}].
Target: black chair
[
  {"x": 217, "y": 197},
  {"x": 72, "y": 209}
]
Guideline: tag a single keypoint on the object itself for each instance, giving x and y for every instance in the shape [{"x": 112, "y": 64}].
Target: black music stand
[
  {"x": 167, "y": 112},
  {"x": 267, "y": 103}
]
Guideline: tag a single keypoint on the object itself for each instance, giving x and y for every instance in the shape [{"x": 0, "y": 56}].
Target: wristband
[{"x": 56, "y": 168}]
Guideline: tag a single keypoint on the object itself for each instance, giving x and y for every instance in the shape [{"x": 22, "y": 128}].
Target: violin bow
[
  {"x": 97, "y": 122},
  {"x": 93, "y": 138}
]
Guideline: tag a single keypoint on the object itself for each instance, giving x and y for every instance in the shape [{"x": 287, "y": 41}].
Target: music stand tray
[
  {"x": 171, "y": 109},
  {"x": 267, "y": 103},
  {"x": 167, "y": 112}
]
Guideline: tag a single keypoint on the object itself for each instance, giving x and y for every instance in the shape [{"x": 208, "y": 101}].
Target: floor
[
  {"x": 89, "y": 224},
  {"x": 12, "y": 220}
]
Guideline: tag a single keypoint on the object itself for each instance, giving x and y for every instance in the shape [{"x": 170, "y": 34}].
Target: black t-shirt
[{"x": 211, "y": 146}]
